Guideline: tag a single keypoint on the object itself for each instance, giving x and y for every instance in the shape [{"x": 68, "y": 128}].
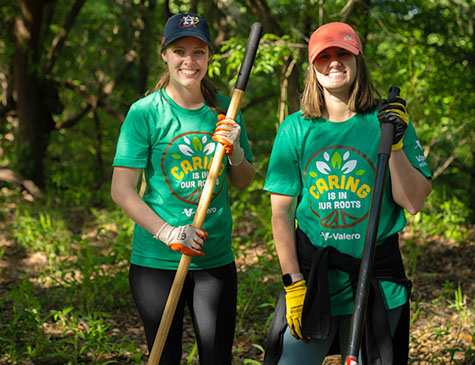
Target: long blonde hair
[
  {"x": 208, "y": 89},
  {"x": 362, "y": 93}
]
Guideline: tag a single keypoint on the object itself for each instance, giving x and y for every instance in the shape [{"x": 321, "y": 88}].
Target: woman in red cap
[
  {"x": 171, "y": 135},
  {"x": 321, "y": 174}
]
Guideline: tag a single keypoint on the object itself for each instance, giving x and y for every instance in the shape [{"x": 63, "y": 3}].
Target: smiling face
[
  {"x": 187, "y": 60},
  {"x": 336, "y": 70}
]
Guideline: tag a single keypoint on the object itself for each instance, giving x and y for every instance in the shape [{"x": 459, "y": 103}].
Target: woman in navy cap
[
  {"x": 171, "y": 135},
  {"x": 321, "y": 174}
]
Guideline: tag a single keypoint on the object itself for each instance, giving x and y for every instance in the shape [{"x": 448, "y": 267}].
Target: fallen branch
[{"x": 12, "y": 177}]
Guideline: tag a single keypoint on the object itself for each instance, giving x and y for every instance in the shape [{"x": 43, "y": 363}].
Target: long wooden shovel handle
[{"x": 200, "y": 215}]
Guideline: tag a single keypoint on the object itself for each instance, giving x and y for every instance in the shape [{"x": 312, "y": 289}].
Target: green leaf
[
  {"x": 197, "y": 144},
  {"x": 336, "y": 160}
]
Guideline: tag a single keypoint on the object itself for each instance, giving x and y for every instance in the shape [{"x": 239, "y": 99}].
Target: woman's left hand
[
  {"x": 394, "y": 111},
  {"x": 227, "y": 133}
]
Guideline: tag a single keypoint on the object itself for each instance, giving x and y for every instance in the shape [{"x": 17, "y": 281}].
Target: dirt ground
[{"x": 440, "y": 333}]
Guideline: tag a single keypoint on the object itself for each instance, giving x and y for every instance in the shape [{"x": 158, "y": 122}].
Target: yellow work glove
[
  {"x": 394, "y": 111},
  {"x": 294, "y": 297}
]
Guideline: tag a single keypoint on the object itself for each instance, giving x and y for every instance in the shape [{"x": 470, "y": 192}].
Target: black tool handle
[
  {"x": 249, "y": 55},
  {"x": 369, "y": 249}
]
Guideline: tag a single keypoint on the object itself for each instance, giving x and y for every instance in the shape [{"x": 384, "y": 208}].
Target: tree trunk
[
  {"x": 145, "y": 45},
  {"x": 472, "y": 190},
  {"x": 100, "y": 178},
  {"x": 261, "y": 10},
  {"x": 35, "y": 119}
]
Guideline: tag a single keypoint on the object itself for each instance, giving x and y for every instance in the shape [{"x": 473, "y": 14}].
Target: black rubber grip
[
  {"x": 249, "y": 55},
  {"x": 393, "y": 92}
]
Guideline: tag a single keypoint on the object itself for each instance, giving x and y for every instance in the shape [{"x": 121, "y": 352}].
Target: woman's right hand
[
  {"x": 294, "y": 298},
  {"x": 186, "y": 239}
]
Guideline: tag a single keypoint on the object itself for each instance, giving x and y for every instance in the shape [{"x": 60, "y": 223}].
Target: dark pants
[{"x": 211, "y": 297}]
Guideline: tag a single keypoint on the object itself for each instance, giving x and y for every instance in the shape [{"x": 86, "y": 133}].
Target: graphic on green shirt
[
  {"x": 337, "y": 179},
  {"x": 185, "y": 164}
]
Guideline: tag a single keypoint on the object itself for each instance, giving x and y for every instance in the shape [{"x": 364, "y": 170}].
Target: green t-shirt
[
  {"x": 331, "y": 168},
  {"x": 174, "y": 147}
]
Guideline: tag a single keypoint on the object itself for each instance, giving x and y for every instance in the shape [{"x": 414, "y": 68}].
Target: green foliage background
[{"x": 425, "y": 47}]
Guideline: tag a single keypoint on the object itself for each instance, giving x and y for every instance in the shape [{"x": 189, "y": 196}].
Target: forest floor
[
  {"x": 443, "y": 325},
  {"x": 442, "y": 330}
]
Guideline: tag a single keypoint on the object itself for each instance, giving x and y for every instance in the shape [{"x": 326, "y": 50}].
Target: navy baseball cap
[{"x": 183, "y": 25}]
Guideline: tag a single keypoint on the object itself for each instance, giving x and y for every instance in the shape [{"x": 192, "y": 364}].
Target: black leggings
[{"x": 211, "y": 298}]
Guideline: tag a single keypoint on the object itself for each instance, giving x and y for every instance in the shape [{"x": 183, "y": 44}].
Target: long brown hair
[
  {"x": 208, "y": 89},
  {"x": 362, "y": 94}
]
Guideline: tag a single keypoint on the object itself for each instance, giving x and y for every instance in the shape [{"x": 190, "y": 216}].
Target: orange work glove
[
  {"x": 187, "y": 239},
  {"x": 227, "y": 133}
]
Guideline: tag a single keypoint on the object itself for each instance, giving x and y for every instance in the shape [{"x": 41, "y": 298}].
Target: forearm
[
  {"x": 242, "y": 175},
  {"x": 409, "y": 187},
  {"x": 283, "y": 229},
  {"x": 124, "y": 194},
  {"x": 137, "y": 210},
  {"x": 284, "y": 238}
]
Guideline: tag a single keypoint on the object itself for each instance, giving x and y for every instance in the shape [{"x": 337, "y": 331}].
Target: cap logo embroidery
[
  {"x": 348, "y": 38},
  {"x": 188, "y": 21}
]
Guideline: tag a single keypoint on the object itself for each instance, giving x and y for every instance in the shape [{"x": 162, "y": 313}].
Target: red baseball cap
[{"x": 334, "y": 35}]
